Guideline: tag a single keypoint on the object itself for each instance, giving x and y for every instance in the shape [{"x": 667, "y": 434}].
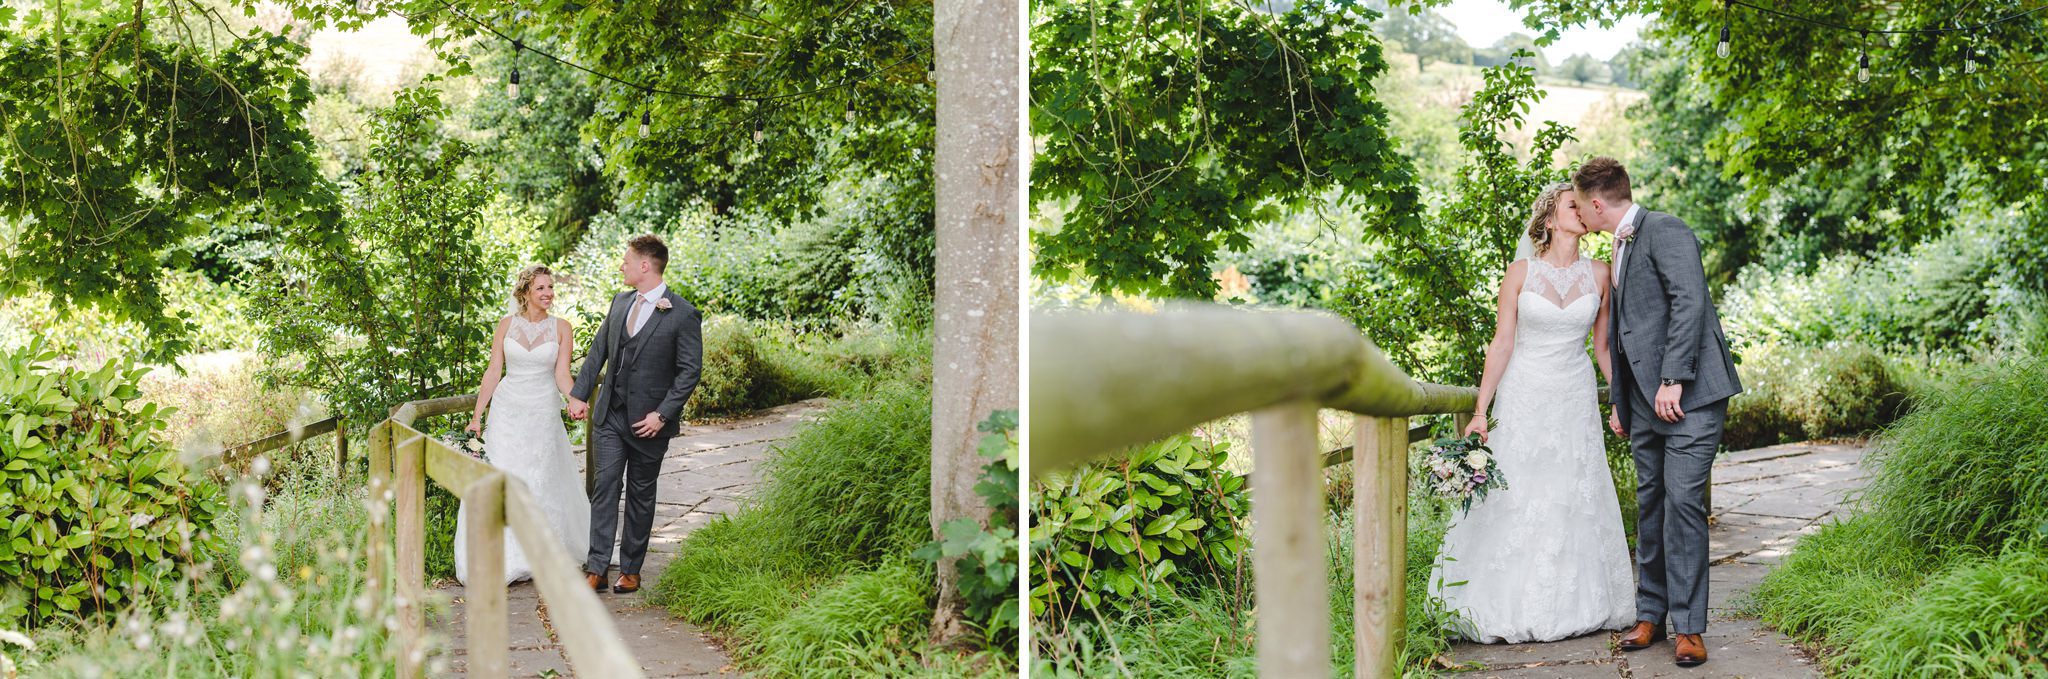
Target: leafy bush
[
  {"x": 100, "y": 506},
  {"x": 284, "y": 594},
  {"x": 1198, "y": 630},
  {"x": 1109, "y": 536},
  {"x": 987, "y": 564},
  {"x": 1793, "y": 393},
  {"x": 1944, "y": 294}
]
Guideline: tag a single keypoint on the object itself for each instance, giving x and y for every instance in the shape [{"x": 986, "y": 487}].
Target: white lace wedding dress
[
  {"x": 523, "y": 435},
  {"x": 1544, "y": 559}
]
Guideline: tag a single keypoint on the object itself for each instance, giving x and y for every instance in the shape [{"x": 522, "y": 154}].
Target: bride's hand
[
  {"x": 474, "y": 428},
  {"x": 1478, "y": 426}
]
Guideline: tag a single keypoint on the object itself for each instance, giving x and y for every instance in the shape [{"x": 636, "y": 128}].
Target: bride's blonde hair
[
  {"x": 525, "y": 285},
  {"x": 1539, "y": 215}
]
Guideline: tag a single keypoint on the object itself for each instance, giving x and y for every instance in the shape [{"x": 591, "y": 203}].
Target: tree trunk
[{"x": 978, "y": 56}]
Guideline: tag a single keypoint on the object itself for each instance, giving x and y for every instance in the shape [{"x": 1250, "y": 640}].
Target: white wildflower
[
  {"x": 17, "y": 639},
  {"x": 137, "y": 521}
]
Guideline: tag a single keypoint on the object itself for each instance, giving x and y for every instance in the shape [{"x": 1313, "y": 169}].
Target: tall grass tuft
[
  {"x": 812, "y": 577},
  {"x": 1943, "y": 571},
  {"x": 1970, "y": 469}
]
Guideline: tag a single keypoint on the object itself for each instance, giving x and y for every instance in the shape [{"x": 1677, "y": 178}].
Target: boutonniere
[{"x": 662, "y": 304}]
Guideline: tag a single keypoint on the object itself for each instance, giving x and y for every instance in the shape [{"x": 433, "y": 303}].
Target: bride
[
  {"x": 1545, "y": 559},
  {"x": 524, "y": 436}
]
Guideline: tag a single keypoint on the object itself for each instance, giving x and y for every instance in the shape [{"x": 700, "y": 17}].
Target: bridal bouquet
[
  {"x": 470, "y": 444},
  {"x": 1462, "y": 470}
]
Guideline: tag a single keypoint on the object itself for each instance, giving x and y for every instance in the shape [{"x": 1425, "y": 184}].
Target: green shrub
[
  {"x": 987, "y": 555},
  {"x": 1109, "y": 536},
  {"x": 737, "y": 377},
  {"x": 1947, "y": 293},
  {"x": 1206, "y": 630},
  {"x": 101, "y": 508},
  {"x": 282, "y": 595},
  {"x": 1796, "y": 393}
]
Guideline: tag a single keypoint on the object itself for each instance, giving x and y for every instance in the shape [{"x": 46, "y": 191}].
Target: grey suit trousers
[
  {"x": 1672, "y": 471},
  {"x": 624, "y": 463}
]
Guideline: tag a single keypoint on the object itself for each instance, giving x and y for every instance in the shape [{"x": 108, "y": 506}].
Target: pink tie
[{"x": 633, "y": 317}]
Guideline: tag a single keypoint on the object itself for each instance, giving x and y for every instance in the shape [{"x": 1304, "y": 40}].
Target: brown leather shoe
[
  {"x": 628, "y": 584},
  {"x": 597, "y": 583},
  {"x": 1641, "y": 636},
  {"x": 1692, "y": 650}
]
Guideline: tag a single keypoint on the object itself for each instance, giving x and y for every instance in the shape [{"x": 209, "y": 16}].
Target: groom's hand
[
  {"x": 578, "y": 409},
  {"x": 648, "y": 426},
  {"x": 1614, "y": 424},
  {"x": 1667, "y": 402}
]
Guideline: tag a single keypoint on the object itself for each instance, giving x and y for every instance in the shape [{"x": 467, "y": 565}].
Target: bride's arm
[
  {"x": 566, "y": 344},
  {"x": 1502, "y": 347},
  {"x": 1603, "y": 353},
  {"x": 491, "y": 376}
]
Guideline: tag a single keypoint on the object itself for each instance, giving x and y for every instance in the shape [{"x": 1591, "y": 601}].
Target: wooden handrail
[
  {"x": 1104, "y": 381},
  {"x": 403, "y": 458}
]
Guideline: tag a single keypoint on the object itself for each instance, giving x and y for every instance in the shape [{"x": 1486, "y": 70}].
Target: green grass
[
  {"x": 813, "y": 576},
  {"x": 1943, "y": 569}
]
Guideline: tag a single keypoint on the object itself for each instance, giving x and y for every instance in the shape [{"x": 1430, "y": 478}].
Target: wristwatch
[{"x": 1670, "y": 382}]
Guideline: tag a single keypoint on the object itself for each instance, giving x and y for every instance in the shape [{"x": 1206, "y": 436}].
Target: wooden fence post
[
  {"x": 411, "y": 473},
  {"x": 483, "y": 504},
  {"x": 1288, "y": 561},
  {"x": 380, "y": 483},
  {"x": 1379, "y": 538},
  {"x": 340, "y": 450}
]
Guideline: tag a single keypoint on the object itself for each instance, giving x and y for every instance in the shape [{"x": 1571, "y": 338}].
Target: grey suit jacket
[
  {"x": 1663, "y": 321},
  {"x": 664, "y": 371}
]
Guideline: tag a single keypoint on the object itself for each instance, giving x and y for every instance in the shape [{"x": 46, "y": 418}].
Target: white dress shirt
[
  {"x": 1621, "y": 246},
  {"x": 646, "y": 302}
]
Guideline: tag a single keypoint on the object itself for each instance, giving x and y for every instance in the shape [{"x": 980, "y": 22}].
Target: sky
[{"x": 1481, "y": 22}]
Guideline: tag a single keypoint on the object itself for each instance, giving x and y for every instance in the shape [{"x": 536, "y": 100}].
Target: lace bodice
[
  {"x": 1561, "y": 285},
  {"x": 530, "y": 347}
]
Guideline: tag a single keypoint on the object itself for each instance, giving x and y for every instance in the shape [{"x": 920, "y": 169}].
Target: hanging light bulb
[
  {"x": 646, "y": 123},
  {"x": 1863, "y": 60},
  {"x": 512, "y": 85},
  {"x": 1970, "y": 60},
  {"x": 1721, "y": 50},
  {"x": 758, "y": 134},
  {"x": 849, "y": 110}
]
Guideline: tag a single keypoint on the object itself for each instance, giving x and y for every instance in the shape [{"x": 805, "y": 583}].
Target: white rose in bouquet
[{"x": 1477, "y": 461}]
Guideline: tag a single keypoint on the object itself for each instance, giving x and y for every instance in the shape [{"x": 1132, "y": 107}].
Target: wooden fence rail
[
  {"x": 1101, "y": 382},
  {"x": 402, "y": 459}
]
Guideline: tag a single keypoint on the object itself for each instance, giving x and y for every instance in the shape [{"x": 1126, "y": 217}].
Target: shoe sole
[{"x": 1691, "y": 663}]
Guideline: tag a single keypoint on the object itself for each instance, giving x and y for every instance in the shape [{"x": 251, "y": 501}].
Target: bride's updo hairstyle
[
  {"x": 525, "y": 285},
  {"x": 1540, "y": 214}
]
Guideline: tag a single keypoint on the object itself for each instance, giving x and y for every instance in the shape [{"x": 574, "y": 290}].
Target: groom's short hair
[
  {"x": 652, "y": 248},
  {"x": 1603, "y": 178}
]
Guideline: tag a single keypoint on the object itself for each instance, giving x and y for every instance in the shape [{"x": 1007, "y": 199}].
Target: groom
[
  {"x": 1672, "y": 381},
  {"x": 648, "y": 353}
]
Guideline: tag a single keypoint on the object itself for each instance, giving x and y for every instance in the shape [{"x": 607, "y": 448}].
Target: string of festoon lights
[
  {"x": 1973, "y": 52},
  {"x": 760, "y": 102}
]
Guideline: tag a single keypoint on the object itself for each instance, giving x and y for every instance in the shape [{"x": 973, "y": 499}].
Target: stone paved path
[
  {"x": 708, "y": 471},
  {"x": 1764, "y": 499}
]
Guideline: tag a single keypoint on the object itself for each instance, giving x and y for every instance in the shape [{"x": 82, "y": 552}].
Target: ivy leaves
[{"x": 1173, "y": 127}]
